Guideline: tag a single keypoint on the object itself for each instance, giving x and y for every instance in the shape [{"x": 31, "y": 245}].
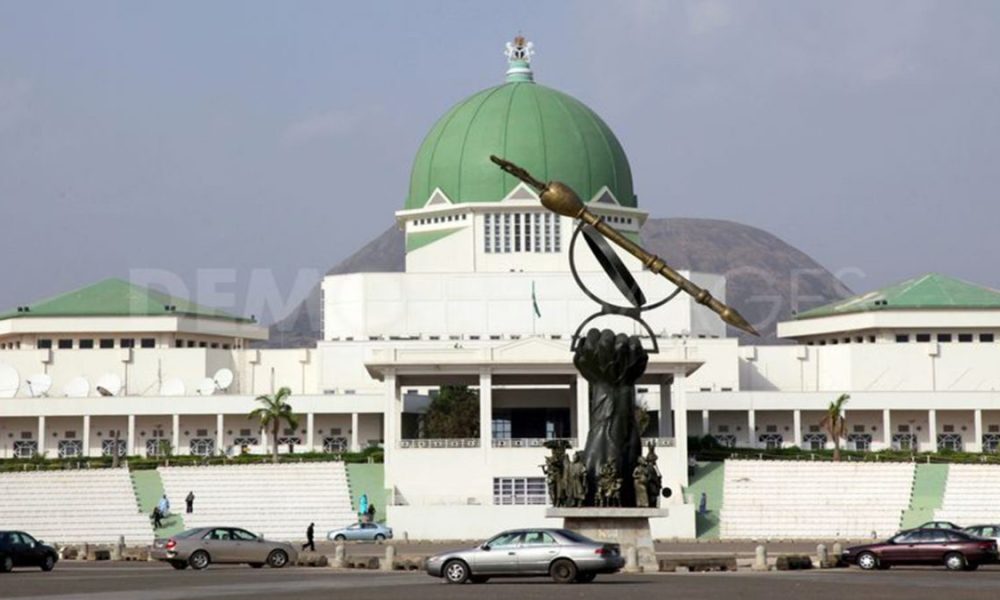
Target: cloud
[
  {"x": 14, "y": 98},
  {"x": 334, "y": 123}
]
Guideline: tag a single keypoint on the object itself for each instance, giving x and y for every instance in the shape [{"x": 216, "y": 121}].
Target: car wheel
[
  {"x": 49, "y": 563},
  {"x": 339, "y": 538},
  {"x": 867, "y": 561},
  {"x": 379, "y": 537},
  {"x": 563, "y": 571},
  {"x": 954, "y": 561},
  {"x": 199, "y": 560},
  {"x": 585, "y": 577},
  {"x": 277, "y": 559},
  {"x": 479, "y": 579},
  {"x": 6, "y": 565},
  {"x": 179, "y": 565},
  {"x": 256, "y": 565},
  {"x": 456, "y": 571}
]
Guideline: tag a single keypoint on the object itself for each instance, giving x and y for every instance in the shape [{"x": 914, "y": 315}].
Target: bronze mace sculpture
[{"x": 561, "y": 199}]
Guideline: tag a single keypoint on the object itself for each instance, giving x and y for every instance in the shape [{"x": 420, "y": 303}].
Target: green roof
[
  {"x": 551, "y": 134},
  {"x": 927, "y": 292},
  {"x": 117, "y": 298}
]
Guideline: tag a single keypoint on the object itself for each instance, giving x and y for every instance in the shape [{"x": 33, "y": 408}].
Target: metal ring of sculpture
[{"x": 620, "y": 276}]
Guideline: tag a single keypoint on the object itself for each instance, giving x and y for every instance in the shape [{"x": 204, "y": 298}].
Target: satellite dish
[
  {"x": 206, "y": 387},
  {"x": 223, "y": 379},
  {"x": 78, "y": 387},
  {"x": 39, "y": 384},
  {"x": 109, "y": 384},
  {"x": 10, "y": 381},
  {"x": 172, "y": 387}
]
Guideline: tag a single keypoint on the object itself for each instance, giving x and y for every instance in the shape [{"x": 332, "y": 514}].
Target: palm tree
[
  {"x": 272, "y": 413},
  {"x": 834, "y": 423}
]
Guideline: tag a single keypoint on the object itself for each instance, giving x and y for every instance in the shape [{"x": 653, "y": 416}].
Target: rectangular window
[
  {"x": 245, "y": 433},
  {"x": 44, "y": 344},
  {"x": 65, "y": 344},
  {"x": 201, "y": 432},
  {"x": 948, "y": 428},
  {"x": 511, "y": 491},
  {"x": 506, "y": 232},
  {"x": 965, "y": 337},
  {"x": 904, "y": 429},
  {"x": 178, "y": 343},
  {"x": 547, "y": 231},
  {"x": 86, "y": 344},
  {"x": 25, "y": 435},
  {"x": 871, "y": 339},
  {"x": 923, "y": 337},
  {"x": 859, "y": 429},
  {"x": 944, "y": 337},
  {"x": 192, "y": 343},
  {"x": 517, "y": 232},
  {"x": 993, "y": 428},
  {"x": 70, "y": 435},
  {"x": 148, "y": 342},
  {"x": 814, "y": 429},
  {"x": 985, "y": 337},
  {"x": 723, "y": 428},
  {"x": 556, "y": 219},
  {"x": 771, "y": 429},
  {"x": 203, "y": 344},
  {"x": 902, "y": 338},
  {"x": 537, "y": 229},
  {"x": 487, "y": 233},
  {"x": 107, "y": 343},
  {"x": 126, "y": 343}
]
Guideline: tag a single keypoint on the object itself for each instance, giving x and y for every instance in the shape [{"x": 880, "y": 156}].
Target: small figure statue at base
[
  {"x": 609, "y": 486},
  {"x": 654, "y": 480},
  {"x": 640, "y": 479}
]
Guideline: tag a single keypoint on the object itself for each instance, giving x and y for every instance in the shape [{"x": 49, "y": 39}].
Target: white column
[
  {"x": 797, "y": 427},
  {"x": 886, "y": 429},
  {"x": 176, "y": 437},
  {"x": 263, "y": 441},
  {"x": 131, "y": 448},
  {"x": 41, "y": 435},
  {"x": 486, "y": 409},
  {"x": 932, "y": 430},
  {"x": 678, "y": 397},
  {"x": 86, "y": 436},
  {"x": 392, "y": 411},
  {"x": 665, "y": 427},
  {"x": 977, "y": 444},
  {"x": 751, "y": 428},
  {"x": 706, "y": 423},
  {"x": 220, "y": 434},
  {"x": 355, "y": 446},
  {"x": 310, "y": 429},
  {"x": 582, "y": 411}
]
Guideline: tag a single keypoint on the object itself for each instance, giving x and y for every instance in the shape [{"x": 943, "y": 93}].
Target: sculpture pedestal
[{"x": 628, "y": 527}]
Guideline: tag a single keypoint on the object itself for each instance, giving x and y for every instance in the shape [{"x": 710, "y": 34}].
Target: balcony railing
[
  {"x": 441, "y": 443},
  {"x": 659, "y": 442},
  {"x": 529, "y": 442}
]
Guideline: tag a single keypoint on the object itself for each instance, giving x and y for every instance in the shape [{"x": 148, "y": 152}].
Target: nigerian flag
[{"x": 534, "y": 300}]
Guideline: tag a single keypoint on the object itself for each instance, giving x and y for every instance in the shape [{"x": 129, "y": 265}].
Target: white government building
[{"x": 487, "y": 300}]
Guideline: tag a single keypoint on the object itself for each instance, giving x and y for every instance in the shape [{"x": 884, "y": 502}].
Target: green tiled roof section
[
  {"x": 423, "y": 238},
  {"x": 931, "y": 291},
  {"x": 929, "y": 483},
  {"x": 117, "y": 298},
  {"x": 553, "y": 135}
]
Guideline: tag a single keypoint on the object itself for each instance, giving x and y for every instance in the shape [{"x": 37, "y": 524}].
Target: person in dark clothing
[
  {"x": 371, "y": 513},
  {"x": 189, "y": 501},
  {"x": 309, "y": 538},
  {"x": 157, "y": 523}
]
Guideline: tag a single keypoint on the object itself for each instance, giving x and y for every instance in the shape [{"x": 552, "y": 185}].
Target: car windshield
[{"x": 574, "y": 536}]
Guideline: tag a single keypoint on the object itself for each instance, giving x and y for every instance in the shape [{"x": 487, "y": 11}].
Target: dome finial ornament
[{"x": 519, "y": 53}]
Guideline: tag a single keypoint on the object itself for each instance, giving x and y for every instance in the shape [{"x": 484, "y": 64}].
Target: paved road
[{"x": 125, "y": 581}]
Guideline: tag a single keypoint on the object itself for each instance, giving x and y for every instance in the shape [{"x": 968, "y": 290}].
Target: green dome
[{"x": 551, "y": 134}]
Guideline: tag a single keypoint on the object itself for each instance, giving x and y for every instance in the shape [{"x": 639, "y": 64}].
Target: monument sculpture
[{"x": 611, "y": 490}]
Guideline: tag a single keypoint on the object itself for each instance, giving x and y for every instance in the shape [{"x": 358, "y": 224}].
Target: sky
[{"x": 233, "y": 151}]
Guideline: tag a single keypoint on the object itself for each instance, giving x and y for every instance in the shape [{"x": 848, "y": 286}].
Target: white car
[{"x": 984, "y": 531}]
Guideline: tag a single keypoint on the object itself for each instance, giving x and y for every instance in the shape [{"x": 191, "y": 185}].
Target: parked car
[
  {"x": 202, "y": 546},
  {"x": 984, "y": 531},
  {"x": 18, "y": 549},
  {"x": 564, "y": 555},
  {"x": 361, "y": 531},
  {"x": 938, "y": 525},
  {"x": 956, "y": 550}
]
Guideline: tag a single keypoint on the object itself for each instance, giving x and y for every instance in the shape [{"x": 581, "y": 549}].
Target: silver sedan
[
  {"x": 564, "y": 555},
  {"x": 202, "y": 546}
]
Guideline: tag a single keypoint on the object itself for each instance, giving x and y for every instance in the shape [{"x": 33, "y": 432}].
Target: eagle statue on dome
[{"x": 520, "y": 49}]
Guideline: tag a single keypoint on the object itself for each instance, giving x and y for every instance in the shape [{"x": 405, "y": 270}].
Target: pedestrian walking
[
  {"x": 189, "y": 501},
  {"x": 371, "y": 513},
  {"x": 703, "y": 503},
  {"x": 309, "y": 538},
  {"x": 164, "y": 506},
  {"x": 157, "y": 523}
]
